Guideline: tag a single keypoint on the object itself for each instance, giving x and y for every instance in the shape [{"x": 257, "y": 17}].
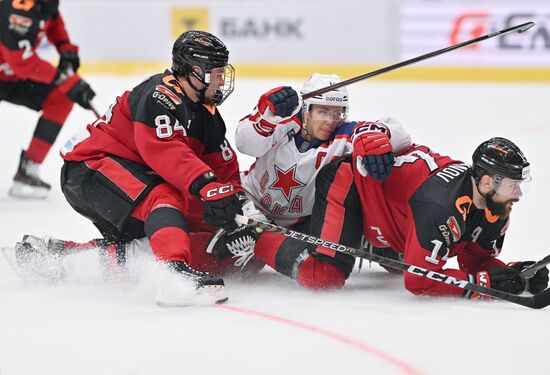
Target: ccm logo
[{"x": 220, "y": 190}]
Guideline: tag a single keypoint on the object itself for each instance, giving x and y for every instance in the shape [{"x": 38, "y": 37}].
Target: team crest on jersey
[
  {"x": 286, "y": 181},
  {"x": 19, "y": 24}
]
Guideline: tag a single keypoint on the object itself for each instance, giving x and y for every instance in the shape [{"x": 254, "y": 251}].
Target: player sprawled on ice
[
  {"x": 27, "y": 80},
  {"x": 291, "y": 143},
  {"x": 158, "y": 165},
  {"x": 430, "y": 208}
]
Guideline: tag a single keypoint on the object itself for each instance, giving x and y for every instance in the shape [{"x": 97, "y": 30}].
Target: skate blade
[
  {"x": 204, "y": 296},
  {"x": 23, "y": 191},
  {"x": 38, "y": 268}
]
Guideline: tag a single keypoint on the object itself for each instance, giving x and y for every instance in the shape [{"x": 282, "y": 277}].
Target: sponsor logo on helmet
[
  {"x": 204, "y": 41},
  {"x": 334, "y": 99}
]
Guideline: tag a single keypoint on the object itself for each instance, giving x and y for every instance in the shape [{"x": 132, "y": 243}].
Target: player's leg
[
  {"x": 55, "y": 107},
  {"x": 336, "y": 217}
]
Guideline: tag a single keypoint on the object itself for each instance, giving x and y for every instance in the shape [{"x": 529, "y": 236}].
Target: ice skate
[
  {"x": 36, "y": 258},
  {"x": 184, "y": 286},
  {"x": 26, "y": 182}
]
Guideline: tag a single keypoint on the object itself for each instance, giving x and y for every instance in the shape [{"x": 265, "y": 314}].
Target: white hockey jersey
[{"x": 281, "y": 182}]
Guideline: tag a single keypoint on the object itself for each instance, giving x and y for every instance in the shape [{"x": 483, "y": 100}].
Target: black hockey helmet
[
  {"x": 500, "y": 156},
  {"x": 202, "y": 49},
  {"x": 198, "y": 48}
]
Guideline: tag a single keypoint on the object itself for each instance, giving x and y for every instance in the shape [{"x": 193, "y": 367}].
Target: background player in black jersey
[{"x": 28, "y": 80}]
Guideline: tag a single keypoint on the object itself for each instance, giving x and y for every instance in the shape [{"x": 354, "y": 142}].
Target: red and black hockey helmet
[
  {"x": 500, "y": 156},
  {"x": 198, "y": 48}
]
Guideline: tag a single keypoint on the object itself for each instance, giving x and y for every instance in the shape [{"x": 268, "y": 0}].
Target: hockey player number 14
[{"x": 414, "y": 156}]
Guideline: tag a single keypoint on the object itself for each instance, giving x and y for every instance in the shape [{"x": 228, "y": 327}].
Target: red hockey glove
[
  {"x": 275, "y": 105},
  {"x": 373, "y": 150},
  {"x": 537, "y": 283},
  {"x": 68, "y": 58},
  {"x": 505, "y": 279},
  {"x": 220, "y": 203}
]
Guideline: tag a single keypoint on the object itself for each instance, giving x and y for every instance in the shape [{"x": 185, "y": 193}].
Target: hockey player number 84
[{"x": 164, "y": 129}]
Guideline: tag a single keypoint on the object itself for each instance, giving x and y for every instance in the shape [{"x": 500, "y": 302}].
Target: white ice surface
[{"x": 372, "y": 326}]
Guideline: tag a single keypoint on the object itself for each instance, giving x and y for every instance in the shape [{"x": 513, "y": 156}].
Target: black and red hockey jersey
[
  {"x": 23, "y": 24},
  {"x": 425, "y": 210},
  {"x": 156, "y": 125}
]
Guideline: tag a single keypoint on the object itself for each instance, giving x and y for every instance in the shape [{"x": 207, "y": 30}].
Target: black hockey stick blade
[
  {"x": 532, "y": 270},
  {"x": 527, "y": 26},
  {"x": 518, "y": 28},
  {"x": 538, "y": 301}
]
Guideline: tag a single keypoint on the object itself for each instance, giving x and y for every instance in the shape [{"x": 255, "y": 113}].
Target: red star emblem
[{"x": 285, "y": 181}]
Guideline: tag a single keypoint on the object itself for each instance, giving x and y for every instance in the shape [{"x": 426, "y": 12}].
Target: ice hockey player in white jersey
[{"x": 292, "y": 141}]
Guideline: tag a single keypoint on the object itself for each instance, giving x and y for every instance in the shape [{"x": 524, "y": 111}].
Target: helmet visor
[
  {"x": 509, "y": 188},
  {"x": 328, "y": 113}
]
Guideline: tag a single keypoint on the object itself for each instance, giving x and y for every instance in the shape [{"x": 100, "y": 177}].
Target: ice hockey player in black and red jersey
[
  {"x": 158, "y": 165},
  {"x": 28, "y": 80},
  {"x": 430, "y": 208}
]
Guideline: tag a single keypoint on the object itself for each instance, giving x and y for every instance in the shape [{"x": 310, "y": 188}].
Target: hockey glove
[
  {"x": 238, "y": 243},
  {"x": 68, "y": 58},
  {"x": 81, "y": 93},
  {"x": 281, "y": 101},
  {"x": 372, "y": 151},
  {"x": 505, "y": 279},
  {"x": 537, "y": 283},
  {"x": 220, "y": 204},
  {"x": 275, "y": 105}
]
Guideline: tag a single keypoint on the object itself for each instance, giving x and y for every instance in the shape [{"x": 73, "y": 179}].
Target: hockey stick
[
  {"x": 538, "y": 301},
  {"x": 92, "y": 108},
  {"x": 533, "y": 269},
  {"x": 519, "y": 28}
]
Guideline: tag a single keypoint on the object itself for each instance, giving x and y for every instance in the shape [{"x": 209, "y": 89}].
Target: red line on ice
[{"x": 404, "y": 367}]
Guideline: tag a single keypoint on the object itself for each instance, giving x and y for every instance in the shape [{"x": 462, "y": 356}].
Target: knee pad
[{"x": 318, "y": 275}]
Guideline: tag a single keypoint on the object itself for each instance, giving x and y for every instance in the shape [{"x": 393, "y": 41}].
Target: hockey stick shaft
[
  {"x": 533, "y": 269},
  {"x": 92, "y": 108},
  {"x": 518, "y": 28},
  {"x": 539, "y": 301}
]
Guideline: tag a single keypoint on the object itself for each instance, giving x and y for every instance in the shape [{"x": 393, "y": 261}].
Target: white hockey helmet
[{"x": 316, "y": 81}]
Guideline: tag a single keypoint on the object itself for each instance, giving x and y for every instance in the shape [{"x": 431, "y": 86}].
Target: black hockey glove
[
  {"x": 81, "y": 93},
  {"x": 537, "y": 283},
  {"x": 220, "y": 204},
  {"x": 505, "y": 279},
  {"x": 69, "y": 62},
  {"x": 281, "y": 101}
]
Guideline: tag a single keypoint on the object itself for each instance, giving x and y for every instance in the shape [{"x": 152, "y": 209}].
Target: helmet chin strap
[{"x": 201, "y": 92}]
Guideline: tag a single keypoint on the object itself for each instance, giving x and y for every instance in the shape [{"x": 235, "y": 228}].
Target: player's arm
[
  {"x": 269, "y": 122},
  {"x": 165, "y": 146},
  {"x": 161, "y": 138},
  {"x": 18, "y": 33},
  {"x": 480, "y": 257},
  {"x": 57, "y": 34},
  {"x": 375, "y": 143},
  {"x": 428, "y": 246}
]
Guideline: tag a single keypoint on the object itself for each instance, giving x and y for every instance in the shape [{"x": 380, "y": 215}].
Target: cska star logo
[{"x": 286, "y": 181}]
